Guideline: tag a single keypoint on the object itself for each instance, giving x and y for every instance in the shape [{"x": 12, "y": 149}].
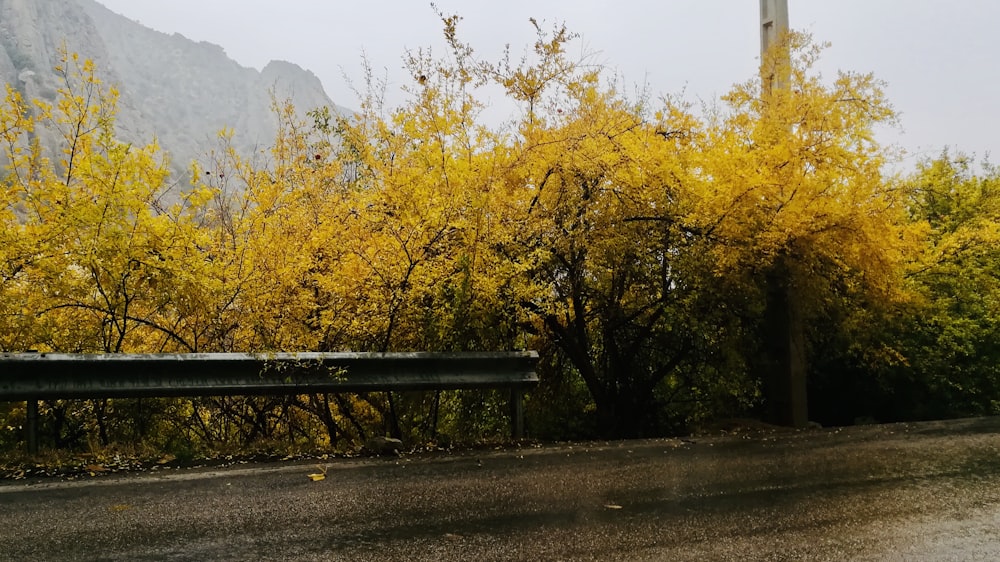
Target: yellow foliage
[
  {"x": 96, "y": 262},
  {"x": 623, "y": 233},
  {"x": 795, "y": 173}
]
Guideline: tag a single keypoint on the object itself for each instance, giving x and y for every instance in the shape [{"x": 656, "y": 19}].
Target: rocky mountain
[{"x": 178, "y": 90}]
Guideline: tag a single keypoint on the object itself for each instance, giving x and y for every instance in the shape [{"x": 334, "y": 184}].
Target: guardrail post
[
  {"x": 516, "y": 412},
  {"x": 32, "y": 426}
]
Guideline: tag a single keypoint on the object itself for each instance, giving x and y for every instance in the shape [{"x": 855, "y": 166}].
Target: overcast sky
[{"x": 939, "y": 57}]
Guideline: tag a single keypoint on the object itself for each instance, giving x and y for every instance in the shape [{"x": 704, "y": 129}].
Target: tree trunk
[{"x": 624, "y": 415}]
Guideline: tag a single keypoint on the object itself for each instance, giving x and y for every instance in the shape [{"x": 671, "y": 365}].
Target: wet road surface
[{"x": 925, "y": 491}]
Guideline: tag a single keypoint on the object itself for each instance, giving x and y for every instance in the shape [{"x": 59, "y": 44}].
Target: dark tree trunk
[
  {"x": 393, "y": 420},
  {"x": 625, "y": 414}
]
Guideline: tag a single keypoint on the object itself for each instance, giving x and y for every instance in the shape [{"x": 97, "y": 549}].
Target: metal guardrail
[{"x": 48, "y": 376}]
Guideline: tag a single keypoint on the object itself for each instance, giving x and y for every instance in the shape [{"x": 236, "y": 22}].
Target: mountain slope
[{"x": 179, "y": 90}]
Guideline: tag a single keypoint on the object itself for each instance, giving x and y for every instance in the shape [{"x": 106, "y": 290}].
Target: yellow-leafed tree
[
  {"x": 793, "y": 197},
  {"x": 95, "y": 261}
]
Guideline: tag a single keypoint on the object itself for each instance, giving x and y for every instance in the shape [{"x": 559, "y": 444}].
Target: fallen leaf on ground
[{"x": 317, "y": 477}]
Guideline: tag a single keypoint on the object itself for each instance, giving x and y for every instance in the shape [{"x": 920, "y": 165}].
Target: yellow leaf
[{"x": 316, "y": 477}]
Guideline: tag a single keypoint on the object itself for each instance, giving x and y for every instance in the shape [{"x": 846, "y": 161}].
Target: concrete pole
[
  {"x": 773, "y": 26},
  {"x": 786, "y": 383},
  {"x": 773, "y": 22}
]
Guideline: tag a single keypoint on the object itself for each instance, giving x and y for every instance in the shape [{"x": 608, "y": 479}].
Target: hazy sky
[{"x": 939, "y": 57}]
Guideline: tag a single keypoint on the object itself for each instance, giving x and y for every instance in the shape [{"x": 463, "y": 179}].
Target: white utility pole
[
  {"x": 773, "y": 22},
  {"x": 773, "y": 28},
  {"x": 785, "y": 384}
]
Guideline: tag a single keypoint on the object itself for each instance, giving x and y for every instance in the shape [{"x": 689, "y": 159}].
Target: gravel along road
[{"x": 924, "y": 491}]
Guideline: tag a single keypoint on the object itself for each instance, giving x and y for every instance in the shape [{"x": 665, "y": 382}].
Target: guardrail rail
[{"x": 48, "y": 376}]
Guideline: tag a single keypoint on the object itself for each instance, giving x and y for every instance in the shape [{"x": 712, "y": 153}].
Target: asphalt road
[{"x": 893, "y": 492}]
